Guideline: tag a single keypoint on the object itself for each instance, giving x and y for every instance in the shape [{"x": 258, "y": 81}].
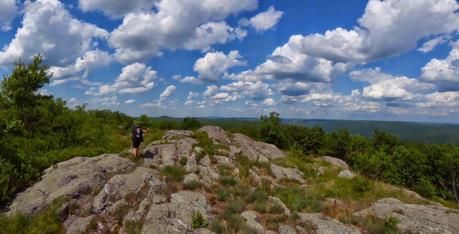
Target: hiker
[{"x": 137, "y": 138}]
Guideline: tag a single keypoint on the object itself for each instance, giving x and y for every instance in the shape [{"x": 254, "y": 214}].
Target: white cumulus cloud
[
  {"x": 177, "y": 24},
  {"x": 134, "y": 78},
  {"x": 214, "y": 64},
  {"x": 49, "y": 29},
  {"x": 266, "y": 20},
  {"x": 118, "y": 8},
  {"x": 8, "y": 11},
  {"x": 168, "y": 91}
]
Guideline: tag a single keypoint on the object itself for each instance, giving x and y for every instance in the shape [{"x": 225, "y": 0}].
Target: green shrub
[
  {"x": 216, "y": 226},
  {"x": 376, "y": 225},
  {"x": 204, "y": 142},
  {"x": 198, "y": 220},
  {"x": 173, "y": 173},
  {"x": 133, "y": 227},
  {"x": 223, "y": 194},
  {"x": 192, "y": 185},
  {"x": 234, "y": 207},
  {"x": 228, "y": 181},
  {"x": 46, "y": 221},
  {"x": 183, "y": 161},
  {"x": 190, "y": 123}
]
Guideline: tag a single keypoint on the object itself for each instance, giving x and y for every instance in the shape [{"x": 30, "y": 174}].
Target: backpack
[{"x": 137, "y": 133}]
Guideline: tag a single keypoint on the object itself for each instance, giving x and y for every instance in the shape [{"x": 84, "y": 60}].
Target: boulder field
[{"x": 112, "y": 194}]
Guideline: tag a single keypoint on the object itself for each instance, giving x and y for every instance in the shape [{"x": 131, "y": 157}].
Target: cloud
[
  {"x": 134, "y": 78},
  {"x": 129, "y": 101},
  {"x": 290, "y": 62},
  {"x": 369, "y": 75},
  {"x": 444, "y": 72},
  {"x": 188, "y": 80},
  {"x": 8, "y": 11},
  {"x": 432, "y": 43},
  {"x": 48, "y": 29},
  {"x": 386, "y": 29},
  {"x": 83, "y": 66},
  {"x": 210, "y": 90},
  {"x": 298, "y": 88},
  {"x": 269, "y": 102},
  {"x": 214, "y": 64},
  {"x": 176, "y": 24},
  {"x": 116, "y": 9},
  {"x": 168, "y": 91},
  {"x": 254, "y": 90},
  {"x": 266, "y": 20}
]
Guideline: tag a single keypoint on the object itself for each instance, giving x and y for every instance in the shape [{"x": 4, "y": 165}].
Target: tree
[
  {"x": 18, "y": 93},
  {"x": 271, "y": 130},
  {"x": 190, "y": 123}
]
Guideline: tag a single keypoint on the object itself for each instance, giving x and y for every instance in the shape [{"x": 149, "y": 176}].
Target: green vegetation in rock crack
[
  {"x": 225, "y": 170},
  {"x": 223, "y": 194},
  {"x": 192, "y": 185},
  {"x": 244, "y": 165},
  {"x": 183, "y": 160},
  {"x": 297, "y": 159},
  {"x": 198, "y": 220},
  {"x": 204, "y": 142},
  {"x": 297, "y": 199},
  {"x": 228, "y": 181},
  {"x": 120, "y": 212},
  {"x": 173, "y": 173},
  {"x": 133, "y": 226},
  {"x": 45, "y": 221},
  {"x": 233, "y": 207},
  {"x": 217, "y": 226},
  {"x": 376, "y": 225}
]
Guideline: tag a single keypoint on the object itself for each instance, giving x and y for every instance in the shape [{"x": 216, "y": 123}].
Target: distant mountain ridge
[{"x": 443, "y": 133}]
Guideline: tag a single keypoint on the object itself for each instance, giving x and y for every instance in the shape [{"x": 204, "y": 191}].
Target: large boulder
[
  {"x": 175, "y": 134},
  {"x": 336, "y": 162},
  {"x": 346, "y": 174},
  {"x": 185, "y": 147},
  {"x": 325, "y": 225},
  {"x": 256, "y": 150},
  {"x": 121, "y": 186},
  {"x": 415, "y": 218},
  {"x": 282, "y": 173},
  {"x": 251, "y": 220},
  {"x": 217, "y": 134},
  {"x": 161, "y": 154},
  {"x": 176, "y": 216},
  {"x": 70, "y": 179}
]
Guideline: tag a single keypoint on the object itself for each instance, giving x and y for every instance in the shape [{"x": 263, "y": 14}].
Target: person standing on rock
[{"x": 137, "y": 138}]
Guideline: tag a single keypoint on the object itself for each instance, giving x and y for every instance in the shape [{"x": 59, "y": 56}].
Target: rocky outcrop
[
  {"x": 251, "y": 221},
  {"x": 217, "y": 134},
  {"x": 121, "y": 186},
  {"x": 70, "y": 179},
  {"x": 415, "y": 218},
  {"x": 255, "y": 150},
  {"x": 346, "y": 174},
  {"x": 175, "y": 216},
  {"x": 283, "y": 173},
  {"x": 336, "y": 162},
  {"x": 177, "y": 134},
  {"x": 111, "y": 194},
  {"x": 325, "y": 225}
]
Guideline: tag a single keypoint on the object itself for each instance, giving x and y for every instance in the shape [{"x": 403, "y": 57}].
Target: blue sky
[{"x": 382, "y": 60}]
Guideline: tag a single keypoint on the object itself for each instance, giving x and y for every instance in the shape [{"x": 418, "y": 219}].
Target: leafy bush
[
  {"x": 192, "y": 185},
  {"x": 190, "y": 123},
  {"x": 198, "y": 220},
  {"x": 46, "y": 221}
]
